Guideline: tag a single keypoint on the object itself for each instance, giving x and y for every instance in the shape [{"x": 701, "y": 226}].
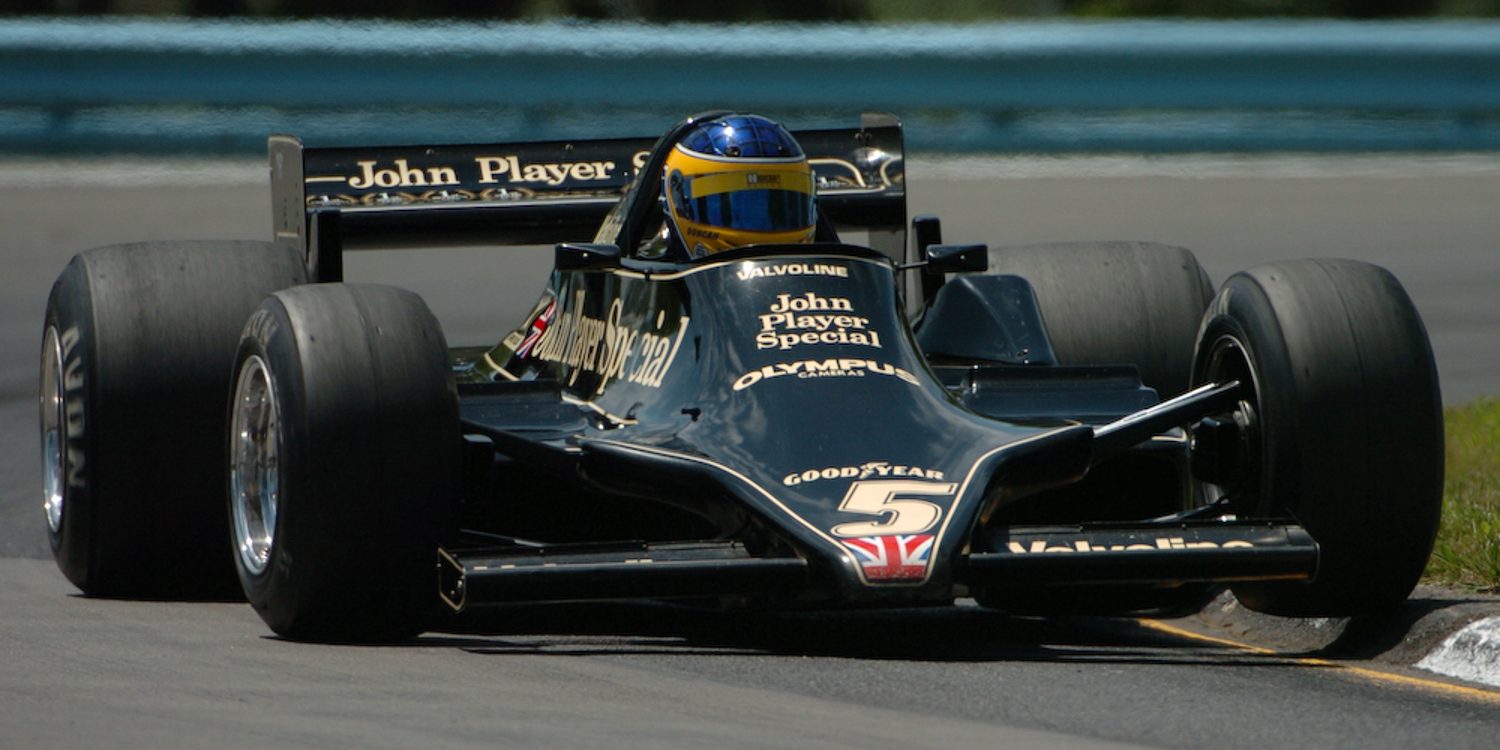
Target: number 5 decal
[{"x": 903, "y": 515}]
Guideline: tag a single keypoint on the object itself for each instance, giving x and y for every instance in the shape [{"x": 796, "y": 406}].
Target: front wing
[{"x": 1182, "y": 549}]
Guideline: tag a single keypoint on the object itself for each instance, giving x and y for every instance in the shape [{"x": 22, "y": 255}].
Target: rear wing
[{"x": 329, "y": 200}]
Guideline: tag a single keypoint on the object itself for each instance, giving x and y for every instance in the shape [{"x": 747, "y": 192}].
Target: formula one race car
[{"x": 1080, "y": 427}]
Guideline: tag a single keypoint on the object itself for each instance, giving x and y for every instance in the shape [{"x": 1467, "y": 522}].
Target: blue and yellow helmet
[{"x": 738, "y": 180}]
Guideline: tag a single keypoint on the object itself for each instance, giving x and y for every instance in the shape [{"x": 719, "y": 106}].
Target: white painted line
[
  {"x": 1471, "y": 654},
  {"x": 133, "y": 172}
]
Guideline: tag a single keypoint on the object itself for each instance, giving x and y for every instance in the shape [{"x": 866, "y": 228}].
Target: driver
[{"x": 737, "y": 180}]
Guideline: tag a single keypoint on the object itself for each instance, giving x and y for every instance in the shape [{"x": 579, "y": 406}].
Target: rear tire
[
  {"x": 138, "y": 348},
  {"x": 1110, "y": 303},
  {"x": 344, "y": 462},
  {"x": 1346, "y": 426}
]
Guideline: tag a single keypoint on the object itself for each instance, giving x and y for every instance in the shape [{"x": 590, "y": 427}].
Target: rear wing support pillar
[{"x": 325, "y": 248}]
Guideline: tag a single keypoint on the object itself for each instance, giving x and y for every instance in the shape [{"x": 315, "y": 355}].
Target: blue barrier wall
[{"x": 168, "y": 86}]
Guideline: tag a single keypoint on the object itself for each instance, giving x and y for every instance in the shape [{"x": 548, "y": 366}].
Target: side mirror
[
  {"x": 579, "y": 256},
  {"x": 928, "y": 231},
  {"x": 958, "y": 258}
]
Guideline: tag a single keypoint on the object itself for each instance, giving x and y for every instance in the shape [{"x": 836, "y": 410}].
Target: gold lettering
[
  {"x": 366, "y": 179},
  {"x": 490, "y": 168}
]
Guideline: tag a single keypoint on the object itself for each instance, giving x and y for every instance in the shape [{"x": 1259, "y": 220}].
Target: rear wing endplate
[{"x": 329, "y": 200}]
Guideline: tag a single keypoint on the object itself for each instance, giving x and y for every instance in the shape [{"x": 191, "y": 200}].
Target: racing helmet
[{"x": 738, "y": 180}]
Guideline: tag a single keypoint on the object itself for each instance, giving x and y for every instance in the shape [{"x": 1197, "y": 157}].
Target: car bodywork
[{"x": 809, "y": 425}]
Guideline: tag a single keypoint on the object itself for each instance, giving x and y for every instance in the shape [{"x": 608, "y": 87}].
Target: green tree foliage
[
  {"x": 1254, "y": 8},
  {"x": 218, "y": 8},
  {"x": 407, "y": 9},
  {"x": 768, "y": 10}
]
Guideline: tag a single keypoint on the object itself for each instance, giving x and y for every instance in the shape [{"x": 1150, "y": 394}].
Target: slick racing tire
[
  {"x": 1342, "y": 426},
  {"x": 137, "y": 351},
  {"x": 343, "y": 462},
  {"x": 1112, "y": 303}
]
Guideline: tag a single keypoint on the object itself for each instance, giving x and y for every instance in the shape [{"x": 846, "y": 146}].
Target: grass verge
[{"x": 1468, "y": 544}]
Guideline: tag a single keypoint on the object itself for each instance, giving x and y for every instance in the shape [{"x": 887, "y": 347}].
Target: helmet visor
[{"x": 755, "y": 202}]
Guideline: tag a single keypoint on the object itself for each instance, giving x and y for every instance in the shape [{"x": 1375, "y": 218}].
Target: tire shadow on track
[{"x": 965, "y": 633}]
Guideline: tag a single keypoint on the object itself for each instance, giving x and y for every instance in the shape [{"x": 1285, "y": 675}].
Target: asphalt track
[{"x": 76, "y": 672}]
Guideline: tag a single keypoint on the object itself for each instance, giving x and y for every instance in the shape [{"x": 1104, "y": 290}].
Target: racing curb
[{"x": 1449, "y": 632}]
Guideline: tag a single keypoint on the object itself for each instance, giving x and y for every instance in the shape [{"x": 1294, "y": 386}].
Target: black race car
[{"x": 1081, "y": 427}]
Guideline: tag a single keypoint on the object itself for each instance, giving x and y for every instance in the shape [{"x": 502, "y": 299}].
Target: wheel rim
[
  {"x": 254, "y": 466},
  {"x": 1228, "y": 360},
  {"x": 54, "y": 437}
]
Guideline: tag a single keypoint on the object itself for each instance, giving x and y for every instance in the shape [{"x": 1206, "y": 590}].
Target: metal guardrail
[{"x": 158, "y": 86}]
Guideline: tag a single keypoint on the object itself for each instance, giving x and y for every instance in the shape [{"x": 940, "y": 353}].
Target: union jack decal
[
  {"x": 901, "y": 557},
  {"x": 538, "y": 327}
]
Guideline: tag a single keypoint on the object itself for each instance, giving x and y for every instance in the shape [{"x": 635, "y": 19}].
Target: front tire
[
  {"x": 1343, "y": 422},
  {"x": 344, "y": 472}
]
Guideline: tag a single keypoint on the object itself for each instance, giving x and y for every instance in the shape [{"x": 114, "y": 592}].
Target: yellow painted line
[
  {"x": 1162, "y": 627},
  {"x": 1464, "y": 692}
]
